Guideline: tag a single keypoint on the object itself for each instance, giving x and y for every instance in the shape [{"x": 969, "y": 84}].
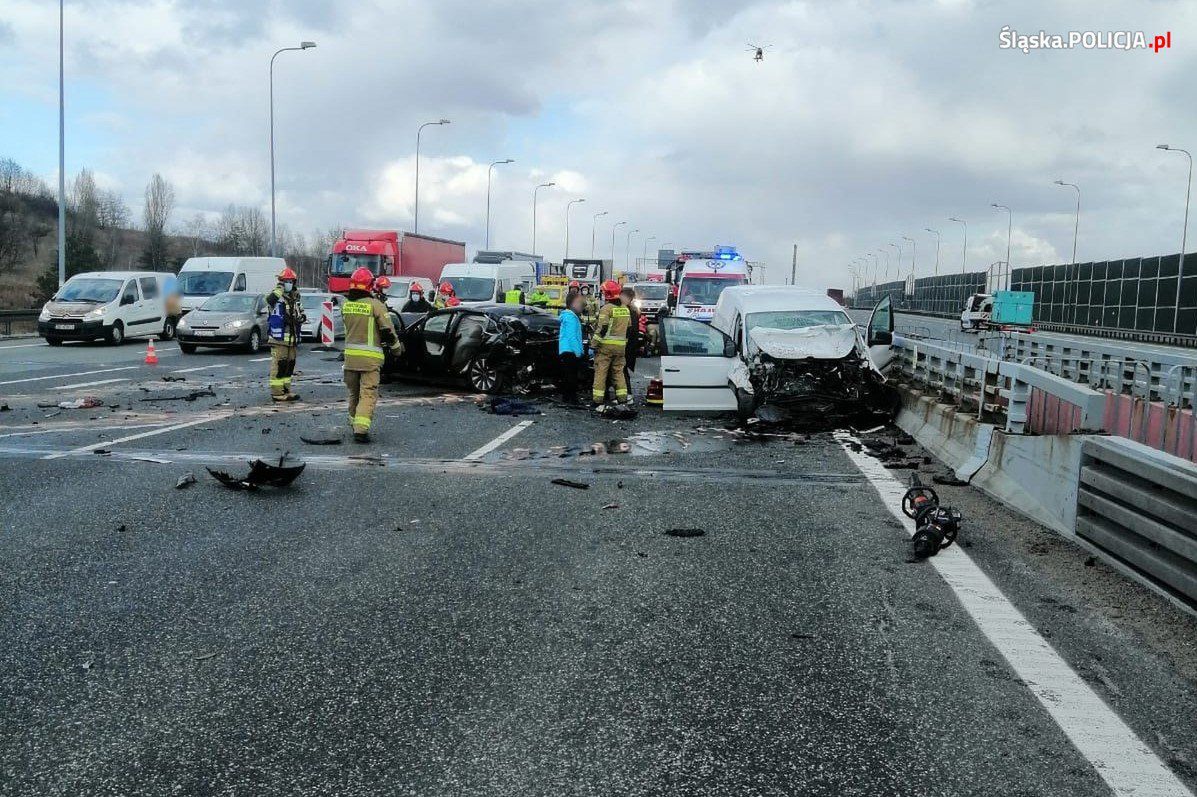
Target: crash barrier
[
  {"x": 326, "y": 324},
  {"x": 9, "y": 317},
  {"x": 1139, "y": 506}
]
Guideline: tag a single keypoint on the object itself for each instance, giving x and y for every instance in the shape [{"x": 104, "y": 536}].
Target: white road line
[
  {"x": 89, "y": 384},
  {"x": 23, "y": 346},
  {"x": 498, "y": 441},
  {"x": 199, "y": 368},
  {"x": 107, "y": 443},
  {"x": 79, "y": 428},
  {"x": 260, "y": 360},
  {"x": 1124, "y": 762},
  {"x": 70, "y": 376}
]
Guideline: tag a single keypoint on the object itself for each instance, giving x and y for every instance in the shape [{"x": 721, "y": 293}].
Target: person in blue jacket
[{"x": 569, "y": 348}]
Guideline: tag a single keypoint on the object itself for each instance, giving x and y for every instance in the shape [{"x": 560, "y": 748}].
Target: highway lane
[{"x": 407, "y": 620}]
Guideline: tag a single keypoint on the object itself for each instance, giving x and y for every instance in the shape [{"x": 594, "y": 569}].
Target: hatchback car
[{"x": 226, "y": 320}]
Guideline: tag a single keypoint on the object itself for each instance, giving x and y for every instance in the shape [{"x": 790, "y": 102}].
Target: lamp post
[
  {"x": 627, "y": 253},
  {"x": 420, "y": 129},
  {"x": 914, "y": 251},
  {"x": 886, "y": 253},
  {"x": 490, "y": 171},
  {"x": 61, "y": 153},
  {"x": 614, "y": 227},
  {"x": 1184, "y": 232},
  {"x": 1075, "y": 231},
  {"x": 536, "y": 191},
  {"x": 898, "y": 270},
  {"x": 567, "y": 206},
  {"x": 593, "y": 229},
  {"x": 1009, "y": 229},
  {"x": 964, "y": 249},
  {"x": 644, "y": 254},
  {"x": 875, "y": 264},
  {"x": 937, "y": 242},
  {"x": 302, "y": 46}
]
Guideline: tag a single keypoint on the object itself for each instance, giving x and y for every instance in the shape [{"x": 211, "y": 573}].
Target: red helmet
[
  {"x": 611, "y": 289},
  {"x": 447, "y": 288},
  {"x": 383, "y": 283},
  {"x": 575, "y": 284},
  {"x": 361, "y": 280},
  {"x": 287, "y": 274},
  {"x": 453, "y": 301}
]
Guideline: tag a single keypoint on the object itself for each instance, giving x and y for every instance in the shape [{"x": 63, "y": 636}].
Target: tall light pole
[
  {"x": 614, "y": 227},
  {"x": 1184, "y": 232},
  {"x": 898, "y": 271},
  {"x": 963, "y": 249},
  {"x": 644, "y": 254},
  {"x": 1009, "y": 229},
  {"x": 1075, "y": 231},
  {"x": 302, "y": 46},
  {"x": 937, "y": 242},
  {"x": 416, "y": 215},
  {"x": 875, "y": 264},
  {"x": 490, "y": 171},
  {"x": 536, "y": 191},
  {"x": 567, "y": 206},
  {"x": 914, "y": 251},
  {"x": 627, "y": 253},
  {"x": 61, "y": 153},
  {"x": 593, "y": 229},
  {"x": 886, "y": 253}
]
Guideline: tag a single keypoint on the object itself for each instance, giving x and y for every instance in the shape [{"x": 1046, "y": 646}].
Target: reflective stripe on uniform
[
  {"x": 360, "y": 420},
  {"x": 279, "y": 382},
  {"x": 357, "y": 351}
]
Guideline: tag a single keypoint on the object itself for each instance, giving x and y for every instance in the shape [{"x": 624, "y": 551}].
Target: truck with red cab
[{"x": 389, "y": 253}]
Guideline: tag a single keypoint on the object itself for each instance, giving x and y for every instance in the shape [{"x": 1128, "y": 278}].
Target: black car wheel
[
  {"x": 116, "y": 333},
  {"x": 168, "y": 330},
  {"x": 484, "y": 376},
  {"x": 187, "y": 348},
  {"x": 54, "y": 341},
  {"x": 745, "y": 404},
  {"x": 255, "y": 341}
]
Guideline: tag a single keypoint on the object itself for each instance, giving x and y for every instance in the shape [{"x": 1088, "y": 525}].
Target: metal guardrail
[{"x": 7, "y": 317}]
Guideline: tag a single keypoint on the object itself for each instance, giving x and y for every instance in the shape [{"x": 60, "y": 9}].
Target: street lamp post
[
  {"x": 302, "y": 46},
  {"x": 490, "y": 171},
  {"x": 937, "y": 242},
  {"x": 627, "y": 253},
  {"x": 644, "y": 254},
  {"x": 420, "y": 129},
  {"x": 1075, "y": 231},
  {"x": 876, "y": 262},
  {"x": 536, "y": 191},
  {"x": 898, "y": 270},
  {"x": 963, "y": 249},
  {"x": 1184, "y": 232},
  {"x": 593, "y": 229},
  {"x": 614, "y": 227},
  {"x": 61, "y": 153},
  {"x": 886, "y": 253},
  {"x": 914, "y": 251},
  {"x": 1009, "y": 230},
  {"x": 567, "y": 206}
]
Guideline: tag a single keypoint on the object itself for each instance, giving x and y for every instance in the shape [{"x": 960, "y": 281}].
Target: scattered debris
[
  {"x": 505, "y": 405},
  {"x": 101, "y": 451},
  {"x": 169, "y": 378},
  {"x": 918, "y": 499},
  {"x": 642, "y": 554},
  {"x": 1091, "y": 561},
  {"x": 262, "y": 473},
  {"x": 802, "y": 636},
  {"x": 611, "y": 506},
  {"x": 266, "y": 430},
  {"x": 206, "y": 656},
  {"x": 325, "y": 439},
  {"x": 86, "y": 666},
  {"x": 84, "y": 403},
  {"x": 51, "y": 414},
  {"x": 616, "y": 412},
  {"x": 145, "y": 458},
  {"x": 186, "y": 480},
  {"x": 904, "y": 440},
  {"x": 568, "y": 483},
  {"x": 192, "y": 396},
  {"x": 684, "y": 532},
  {"x": 5, "y": 408},
  {"x": 948, "y": 480},
  {"x": 937, "y": 530},
  {"x": 121, "y": 527}
]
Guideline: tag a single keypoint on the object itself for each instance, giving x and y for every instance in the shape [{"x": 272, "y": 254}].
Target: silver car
[
  {"x": 313, "y": 303},
  {"x": 226, "y": 320}
]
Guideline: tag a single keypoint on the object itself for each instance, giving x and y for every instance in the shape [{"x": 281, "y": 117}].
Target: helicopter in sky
[{"x": 758, "y": 51}]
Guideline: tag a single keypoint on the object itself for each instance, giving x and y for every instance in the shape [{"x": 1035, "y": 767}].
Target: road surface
[{"x": 430, "y": 614}]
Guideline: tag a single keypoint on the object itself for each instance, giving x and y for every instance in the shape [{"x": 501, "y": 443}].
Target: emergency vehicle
[{"x": 698, "y": 279}]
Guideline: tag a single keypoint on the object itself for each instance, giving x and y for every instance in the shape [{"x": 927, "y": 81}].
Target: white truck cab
[{"x": 977, "y": 312}]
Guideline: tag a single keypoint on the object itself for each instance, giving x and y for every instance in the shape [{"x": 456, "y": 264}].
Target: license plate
[
  {"x": 204, "y": 333},
  {"x": 64, "y": 326}
]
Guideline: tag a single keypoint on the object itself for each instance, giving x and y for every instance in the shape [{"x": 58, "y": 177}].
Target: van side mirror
[{"x": 882, "y": 337}]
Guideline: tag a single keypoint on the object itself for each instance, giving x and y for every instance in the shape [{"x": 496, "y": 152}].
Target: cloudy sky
[{"x": 866, "y": 121}]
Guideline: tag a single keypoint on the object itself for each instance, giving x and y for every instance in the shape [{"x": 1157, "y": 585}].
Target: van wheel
[
  {"x": 255, "y": 341},
  {"x": 745, "y": 404},
  {"x": 484, "y": 376},
  {"x": 187, "y": 348},
  {"x": 168, "y": 330},
  {"x": 115, "y": 334},
  {"x": 53, "y": 341}
]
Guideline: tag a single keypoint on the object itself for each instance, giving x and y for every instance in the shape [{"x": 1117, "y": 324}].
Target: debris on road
[
  {"x": 262, "y": 473},
  {"x": 5, "y": 408},
  {"x": 568, "y": 483},
  {"x": 616, "y": 412},
  {"x": 948, "y": 480},
  {"x": 611, "y": 506},
  {"x": 192, "y": 396},
  {"x": 684, "y": 532},
  {"x": 322, "y": 439},
  {"x": 169, "y": 378},
  {"x": 206, "y": 656},
  {"x": 505, "y": 405},
  {"x": 918, "y": 499},
  {"x": 937, "y": 530},
  {"x": 101, "y": 451},
  {"x": 144, "y": 458},
  {"x": 84, "y": 403}
]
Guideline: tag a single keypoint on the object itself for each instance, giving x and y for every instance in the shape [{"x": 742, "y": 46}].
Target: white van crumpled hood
[{"x": 823, "y": 342}]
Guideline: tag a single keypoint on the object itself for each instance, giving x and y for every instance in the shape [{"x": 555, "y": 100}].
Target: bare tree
[
  {"x": 83, "y": 202},
  {"x": 159, "y": 202},
  {"x": 255, "y": 230},
  {"x": 199, "y": 231}
]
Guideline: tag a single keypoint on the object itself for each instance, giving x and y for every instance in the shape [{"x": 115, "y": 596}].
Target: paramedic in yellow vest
[
  {"x": 368, "y": 329},
  {"x": 610, "y": 341},
  {"x": 513, "y": 296},
  {"x": 283, "y": 329}
]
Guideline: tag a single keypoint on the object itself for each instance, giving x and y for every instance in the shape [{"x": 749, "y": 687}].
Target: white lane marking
[
  {"x": 23, "y": 346},
  {"x": 69, "y": 376},
  {"x": 199, "y": 368},
  {"x": 498, "y": 441},
  {"x": 89, "y": 384},
  {"x": 260, "y": 360},
  {"x": 80, "y": 428},
  {"x": 107, "y": 443},
  {"x": 1124, "y": 762}
]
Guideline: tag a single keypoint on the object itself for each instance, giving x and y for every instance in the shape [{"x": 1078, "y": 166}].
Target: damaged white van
[{"x": 790, "y": 349}]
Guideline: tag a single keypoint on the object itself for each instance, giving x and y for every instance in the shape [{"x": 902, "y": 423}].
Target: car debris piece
[
  {"x": 505, "y": 405},
  {"x": 186, "y": 480},
  {"x": 262, "y": 473},
  {"x": 192, "y": 396},
  {"x": 84, "y": 403},
  {"x": 5, "y": 408},
  {"x": 918, "y": 499},
  {"x": 169, "y": 378},
  {"x": 611, "y": 506},
  {"x": 948, "y": 480},
  {"x": 568, "y": 483},
  {"x": 937, "y": 530},
  {"x": 616, "y": 412},
  {"x": 145, "y": 458},
  {"x": 322, "y": 439},
  {"x": 684, "y": 532}
]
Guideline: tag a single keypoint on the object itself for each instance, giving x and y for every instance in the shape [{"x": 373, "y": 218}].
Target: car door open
[
  {"x": 880, "y": 334},
  {"x": 696, "y": 359}
]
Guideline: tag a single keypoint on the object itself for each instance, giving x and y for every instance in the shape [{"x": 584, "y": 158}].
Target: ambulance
[{"x": 698, "y": 279}]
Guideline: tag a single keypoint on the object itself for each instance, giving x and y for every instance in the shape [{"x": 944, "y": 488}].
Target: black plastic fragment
[
  {"x": 568, "y": 483},
  {"x": 684, "y": 532}
]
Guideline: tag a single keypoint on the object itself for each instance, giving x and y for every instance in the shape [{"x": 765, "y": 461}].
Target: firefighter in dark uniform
[
  {"x": 283, "y": 328},
  {"x": 368, "y": 329}
]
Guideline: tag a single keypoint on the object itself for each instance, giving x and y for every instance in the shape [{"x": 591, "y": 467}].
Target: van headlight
[
  {"x": 45, "y": 315},
  {"x": 182, "y": 324},
  {"x": 97, "y": 313}
]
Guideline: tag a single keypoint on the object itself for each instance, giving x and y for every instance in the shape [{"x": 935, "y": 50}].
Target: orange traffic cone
[{"x": 151, "y": 356}]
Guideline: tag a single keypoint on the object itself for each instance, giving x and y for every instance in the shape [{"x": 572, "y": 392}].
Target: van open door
[
  {"x": 696, "y": 360},
  {"x": 880, "y": 334}
]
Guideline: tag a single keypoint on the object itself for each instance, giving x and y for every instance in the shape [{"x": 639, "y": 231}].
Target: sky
[{"x": 864, "y": 123}]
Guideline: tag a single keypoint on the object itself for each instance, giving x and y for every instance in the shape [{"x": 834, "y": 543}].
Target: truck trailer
[{"x": 389, "y": 253}]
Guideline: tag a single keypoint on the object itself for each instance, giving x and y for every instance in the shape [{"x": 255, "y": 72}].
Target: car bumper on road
[{"x": 70, "y": 329}]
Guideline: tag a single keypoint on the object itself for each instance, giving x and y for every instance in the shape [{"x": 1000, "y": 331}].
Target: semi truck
[{"x": 389, "y": 253}]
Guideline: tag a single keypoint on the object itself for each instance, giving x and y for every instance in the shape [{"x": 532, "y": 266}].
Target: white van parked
[
  {"x": 202, "y": 277},
  {"x": 791, "y": 348},
  {"x": 113, "y": 305},
  {"x": 486, "y": 283}
]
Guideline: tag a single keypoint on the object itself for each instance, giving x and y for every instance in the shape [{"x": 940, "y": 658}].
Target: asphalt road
[{"x": 425, "y": 616}]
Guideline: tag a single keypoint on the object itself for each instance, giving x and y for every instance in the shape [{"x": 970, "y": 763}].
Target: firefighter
[
  {"x": 416, "y": 303},
  {"x": 589, "y": 306},
  {"x": 368, "y": 329},
  {"x": 574, "y": 290},
  {"x": 283, "y": 328},
  {"x": 610, "y": 342},
  {"x": 381, "y": 286},
  {"x": 443, "y": 294}
]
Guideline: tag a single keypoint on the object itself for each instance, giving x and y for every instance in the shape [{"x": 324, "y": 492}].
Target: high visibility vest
[
  {"x": 279, "y": 327},
  {"x": 360, "y": 334},
  {"x": 512, "y": 296}
]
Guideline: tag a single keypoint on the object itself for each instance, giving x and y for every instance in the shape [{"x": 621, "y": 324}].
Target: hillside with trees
[{"x": 103, "y": 234}]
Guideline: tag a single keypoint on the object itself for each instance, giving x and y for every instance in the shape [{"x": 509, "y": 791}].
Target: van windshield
[
  {"x": 204, "y": 283},
  {"x": 91, "y": 289},
  {"x": 473, "y": 289},
  {"x": 653, "y": 293},
  {"x": 794, "y": 319},
  {"x": 706, "y": 290}
]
